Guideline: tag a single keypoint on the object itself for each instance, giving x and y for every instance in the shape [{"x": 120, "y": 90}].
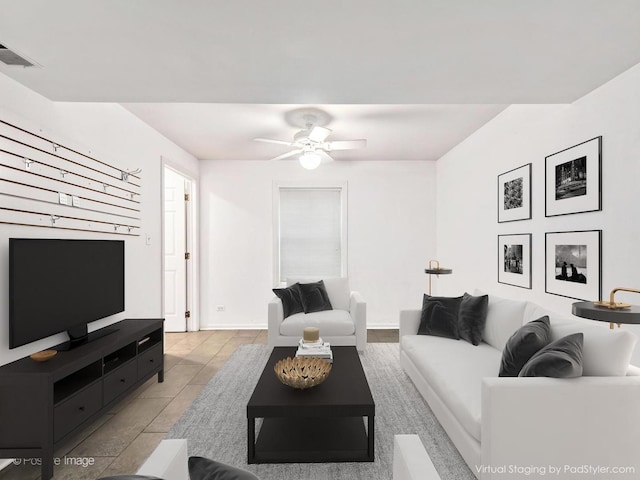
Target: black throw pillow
[
  {"x": 201, "y": 468},
  {"x": 560, "y": 359},
  {"x": 472, "y": 316},
  {"x": 290, "y": 296},
  {"x": 439, "y": 316},
  {"x": 523, "y": 344},
  {"x": 314, "y": 297}
]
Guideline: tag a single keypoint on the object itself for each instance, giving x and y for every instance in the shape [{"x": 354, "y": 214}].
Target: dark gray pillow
[
  {"x": 439, "y": 316},
  {"x": 472, "y": 316},
  {"x": 314, "y": 297},
  {"x": 201, "y": 468},
  {"x": 523, "y": 344},
  {"x": 290, "y": 296},
  {"x": 560, "y": 359}
]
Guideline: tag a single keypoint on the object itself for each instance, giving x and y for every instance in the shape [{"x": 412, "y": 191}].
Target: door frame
[{"x": 193, "y": 293}]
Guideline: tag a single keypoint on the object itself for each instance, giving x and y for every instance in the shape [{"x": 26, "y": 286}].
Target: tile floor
[{"x": 122, "y": 439}]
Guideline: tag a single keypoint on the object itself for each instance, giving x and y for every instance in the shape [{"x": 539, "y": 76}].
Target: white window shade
[{"x": 311, "y": 240}]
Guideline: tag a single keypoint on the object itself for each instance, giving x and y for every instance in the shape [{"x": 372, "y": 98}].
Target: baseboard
[{"x": 228, "y": 326}]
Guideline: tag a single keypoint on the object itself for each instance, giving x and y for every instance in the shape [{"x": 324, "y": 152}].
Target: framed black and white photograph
[
  {"x": 573, "y": 179},
  {"x": 514, "y": 259},
  {"x": 514, "y": 194},
  {"x": 573, "y": 264}
]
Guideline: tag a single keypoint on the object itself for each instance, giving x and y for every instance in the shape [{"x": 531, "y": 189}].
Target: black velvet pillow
[
  {"x": 472, "y": 316},
  {"x": 560, "y": 359},
  {"x": 201, "y": 468},
  {"x": 314, "y": 297},
  {"x": 440, "y": 316},
  {"x": 523, "y": 344},
  {"x": 290, "y": 296}
]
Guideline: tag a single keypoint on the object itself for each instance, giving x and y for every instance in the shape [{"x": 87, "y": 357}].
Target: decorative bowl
[
  {"x": 44, "y": 355},
  {"x": 302, "y": 372}
]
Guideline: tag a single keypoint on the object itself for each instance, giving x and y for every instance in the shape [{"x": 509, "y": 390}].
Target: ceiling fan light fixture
[
  {"x": 310, "y": 145},
  {"x": 318, "y": 134},
  {"x": 310, "y": 160}
]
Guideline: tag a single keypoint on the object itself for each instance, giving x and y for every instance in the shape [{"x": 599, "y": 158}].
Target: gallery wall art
[
  {"x": 573, "y": 264},
  {"x": 573, "y": 179},
  {"x": 514, "y": 194},
  {"x": 514, "y": 259}
]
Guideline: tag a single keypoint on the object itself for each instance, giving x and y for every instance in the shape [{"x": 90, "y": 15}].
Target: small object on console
[{"x": 44, "y": 355}]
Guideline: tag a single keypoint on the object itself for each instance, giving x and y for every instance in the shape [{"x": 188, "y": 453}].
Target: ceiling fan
[{"x": 310, "y": 143}]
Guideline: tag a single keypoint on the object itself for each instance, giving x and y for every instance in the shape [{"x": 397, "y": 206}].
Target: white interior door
[{"x": 175, "y": 264}]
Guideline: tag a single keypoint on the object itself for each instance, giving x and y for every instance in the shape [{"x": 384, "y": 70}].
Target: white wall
[
  {"x": 467, "y": 182},
  {"x": 391, "y": 218},
  {"x": 110, "y": 133}
]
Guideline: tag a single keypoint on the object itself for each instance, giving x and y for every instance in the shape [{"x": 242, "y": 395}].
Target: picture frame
[
  {"x": 514, "y": 194},
  {"x": 573, "y": 179},
  {"x": 573, "y": 264},
  {"x": 514, "y": 259}
]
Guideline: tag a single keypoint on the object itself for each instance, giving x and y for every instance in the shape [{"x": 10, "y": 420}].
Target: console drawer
[
  {"x": 76, "y": 409},
  {"x": 150, "y": 360},
  {"x": 120, "y": 380}
]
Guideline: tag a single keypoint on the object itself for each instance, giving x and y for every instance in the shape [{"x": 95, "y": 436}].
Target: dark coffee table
[{"x": 320, "y": 424}]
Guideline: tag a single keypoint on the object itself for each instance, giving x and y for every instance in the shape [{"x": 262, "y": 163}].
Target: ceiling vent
[{"x": 10, "y": 57}]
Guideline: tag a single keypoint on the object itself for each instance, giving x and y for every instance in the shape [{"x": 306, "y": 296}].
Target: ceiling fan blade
[
  {"x": 287, "y": 155},
  {"x": 324, "y": 156},
  {"x": 279, "y": 142},
  {"x": 318, "y": 134},
  {"x": 345, "y": 144}
]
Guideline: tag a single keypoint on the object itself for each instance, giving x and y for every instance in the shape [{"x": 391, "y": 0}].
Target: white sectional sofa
[{"x": 512, "y": 428}]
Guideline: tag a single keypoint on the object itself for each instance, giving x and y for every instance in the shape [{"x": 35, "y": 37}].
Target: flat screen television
[{"x": 61, "y": 286}]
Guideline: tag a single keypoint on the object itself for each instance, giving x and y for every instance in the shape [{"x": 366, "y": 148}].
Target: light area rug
[{"x": 215, "y": 424}]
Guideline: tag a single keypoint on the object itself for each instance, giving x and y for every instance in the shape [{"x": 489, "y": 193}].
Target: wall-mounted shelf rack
[{"x": 44, "y": 183}]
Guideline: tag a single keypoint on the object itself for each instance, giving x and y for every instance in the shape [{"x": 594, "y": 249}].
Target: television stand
[
  {"x": 88, "y": 338},
  {"x": 43, "y": 404}
]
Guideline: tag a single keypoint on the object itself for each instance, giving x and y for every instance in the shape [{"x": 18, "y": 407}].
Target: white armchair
[
  {"x": 410, "y": 459},
  {"x": 346, "y": 324},
  {"x": 169, "y": 460}
]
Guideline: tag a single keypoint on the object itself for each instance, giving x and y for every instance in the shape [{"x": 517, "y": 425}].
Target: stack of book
[{"x": 315, "y": 349}]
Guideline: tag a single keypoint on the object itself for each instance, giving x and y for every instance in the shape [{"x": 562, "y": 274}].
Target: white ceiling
[
  {"x": 213, "y": 74},
  {"x": 393, "y": 132}
]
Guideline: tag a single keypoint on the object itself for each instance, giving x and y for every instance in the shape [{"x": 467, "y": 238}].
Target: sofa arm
[
  {"x": 410, "y": 459},
  {"x": 358, "y": 312},
  {"x": 169, "y": 460},
  {"x": 409, "y": 322},
  {"x": 275, "y": 316},
  {"x": 540, "y": 423}
]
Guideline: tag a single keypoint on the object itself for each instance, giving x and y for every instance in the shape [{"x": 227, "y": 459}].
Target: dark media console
[
  {"x": 44, "y": 404},
  {"x": 77, "y": 340}
]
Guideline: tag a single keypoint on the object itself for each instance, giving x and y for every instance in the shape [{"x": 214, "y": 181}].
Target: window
[{"x": 310, "y": 224}]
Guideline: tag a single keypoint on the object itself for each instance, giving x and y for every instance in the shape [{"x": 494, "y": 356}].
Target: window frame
[{"x": 341, "y": 186}]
